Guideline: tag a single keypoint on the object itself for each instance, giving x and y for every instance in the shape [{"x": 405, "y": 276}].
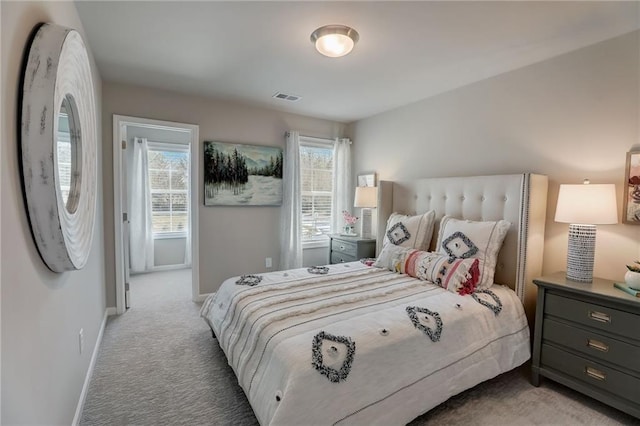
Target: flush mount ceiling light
[{"x": 334, "y": 40}]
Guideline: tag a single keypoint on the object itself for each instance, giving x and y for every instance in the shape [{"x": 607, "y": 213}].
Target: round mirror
[
  {"x": 68, "y": 150},
  {"x": 59, "y": 147}
]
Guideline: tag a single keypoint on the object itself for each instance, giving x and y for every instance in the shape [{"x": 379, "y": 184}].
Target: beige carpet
[{"x": 158, "y": 365}]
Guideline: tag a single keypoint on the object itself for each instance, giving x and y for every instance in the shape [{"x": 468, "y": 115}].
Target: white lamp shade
[
  {"x": 591, "y": 204},
  {"x": 366, "y": 196}
]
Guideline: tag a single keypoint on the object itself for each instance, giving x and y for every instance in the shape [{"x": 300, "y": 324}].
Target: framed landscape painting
[{"x": 242, "y": 175}]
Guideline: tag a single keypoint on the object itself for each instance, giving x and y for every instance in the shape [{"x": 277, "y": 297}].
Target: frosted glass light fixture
[
  {"x": 334, "y": 40},
  {"x": 366, "y": 198},
  {"x": 583, "y": 207}
]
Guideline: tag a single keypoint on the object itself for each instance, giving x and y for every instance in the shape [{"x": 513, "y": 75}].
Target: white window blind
[
  {"x": 64, "y": 162},
  {"x": 169, "y": 183},
  {"x": 316, "y": 173}
]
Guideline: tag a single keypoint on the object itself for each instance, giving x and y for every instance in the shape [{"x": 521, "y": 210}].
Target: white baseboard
[
  {"x": 92, "y": 364},
  {"x": 164, "y": 268},
  {"x": 201, "y": 297}
]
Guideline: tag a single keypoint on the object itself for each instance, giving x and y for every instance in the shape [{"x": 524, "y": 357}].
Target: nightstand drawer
[
  {"x": 337, "y": 257},
  {"x": 346, "y": 247},
  {"x": 592, "y": 344},
  {"x": 596, "y": 316},
  {"x": 593, "y": 373}
]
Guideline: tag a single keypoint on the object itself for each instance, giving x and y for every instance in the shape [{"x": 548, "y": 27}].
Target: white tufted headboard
[{"x": 520, "y": 199}]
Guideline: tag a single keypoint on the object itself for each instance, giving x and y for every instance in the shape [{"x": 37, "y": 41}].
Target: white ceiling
[{"x": 247, "y": 51}]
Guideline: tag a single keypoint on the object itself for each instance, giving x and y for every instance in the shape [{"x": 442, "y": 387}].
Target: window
[
  {"x": 316, "y": 173},
  {"x": 169, "y": 184},
  {"x": 64, "y": 156}
]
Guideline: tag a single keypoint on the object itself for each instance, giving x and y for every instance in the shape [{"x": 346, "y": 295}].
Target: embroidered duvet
[{"x": 360, "y": 345}]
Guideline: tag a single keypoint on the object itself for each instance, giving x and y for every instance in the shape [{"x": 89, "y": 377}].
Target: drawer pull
[
  {"x": 342, "y": 247},
  {"x": 595, "y": 374},
  {"x": 599, "y": 316},
  {"x": 597, "y": 345}
]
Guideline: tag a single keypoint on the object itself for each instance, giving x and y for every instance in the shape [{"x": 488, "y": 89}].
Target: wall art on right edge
[
  {"x": 367, "y": 180},
  {"x": 631, "y": 205}
]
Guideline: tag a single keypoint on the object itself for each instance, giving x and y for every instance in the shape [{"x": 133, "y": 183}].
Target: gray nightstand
[
  {"x": 587, "y": 337},
  {"x": 348, "y": 249}
]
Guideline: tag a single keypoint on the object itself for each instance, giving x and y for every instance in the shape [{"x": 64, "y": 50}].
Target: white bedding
[{"x": 267, "y": 333}]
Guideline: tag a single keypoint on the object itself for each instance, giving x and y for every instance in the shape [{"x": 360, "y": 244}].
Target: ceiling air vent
[{"x": 285, "y": 97}]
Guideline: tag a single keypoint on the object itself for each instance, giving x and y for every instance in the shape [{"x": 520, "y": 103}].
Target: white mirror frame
[{"x": 58, "y": 65}]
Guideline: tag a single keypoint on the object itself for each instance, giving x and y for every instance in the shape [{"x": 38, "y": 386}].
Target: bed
[{"x": 357, "y": 344}]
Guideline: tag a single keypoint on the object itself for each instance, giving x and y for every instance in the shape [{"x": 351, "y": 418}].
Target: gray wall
[
  {"x": 315, "y": 256},
  {"x": 42, "y": 312},
  {"x": 571, "y": 117},
  {"x": 233, "y": 240},
  {"x": 169, "y": 251}
]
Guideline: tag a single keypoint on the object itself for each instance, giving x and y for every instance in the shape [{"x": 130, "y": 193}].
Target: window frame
[
  {"x": 180, "y": 148},
  {"x": 322, "y": 241}
]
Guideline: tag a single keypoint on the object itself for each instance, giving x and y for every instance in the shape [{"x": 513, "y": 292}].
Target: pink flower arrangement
[{"x": 349, "y": 218}]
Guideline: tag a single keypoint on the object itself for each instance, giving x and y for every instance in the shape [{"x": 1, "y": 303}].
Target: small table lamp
[
  {"x": 366, "y": 198},
  {"x": 583, "y": 207}
]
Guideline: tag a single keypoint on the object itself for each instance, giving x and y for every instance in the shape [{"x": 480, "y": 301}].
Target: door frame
[{"x": 119, "y": 134}]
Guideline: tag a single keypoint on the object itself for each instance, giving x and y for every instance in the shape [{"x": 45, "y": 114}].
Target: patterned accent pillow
[
  {"x": 456, "y": 275},
  {"x": 392, "y": 258},
  {"x": 468, "y": 239},
  {"x": 410, "y": 231}
]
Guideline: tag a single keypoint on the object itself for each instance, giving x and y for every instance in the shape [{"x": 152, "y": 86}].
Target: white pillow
[
  {"x": 410, "y": 231},
  {"x": 467, "y": 239},
  {"x": 391, "y": 257}
]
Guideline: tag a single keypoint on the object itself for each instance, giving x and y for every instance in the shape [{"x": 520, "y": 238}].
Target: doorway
[{"x": 169, "y": 152}]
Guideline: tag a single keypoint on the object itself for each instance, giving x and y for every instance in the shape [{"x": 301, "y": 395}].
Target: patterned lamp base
[
  {"x": 580, "y": 252},
  {"x": 366, "y": 223}
]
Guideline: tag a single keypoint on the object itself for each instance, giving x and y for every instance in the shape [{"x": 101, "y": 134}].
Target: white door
[
  {"x": 121, "y": 222},
  {"x": 124, "y": 189}
]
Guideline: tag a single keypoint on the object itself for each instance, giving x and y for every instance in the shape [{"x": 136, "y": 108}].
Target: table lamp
[
  {"x": 583, "y": 207},
  {"x": 366, "y": 198}
]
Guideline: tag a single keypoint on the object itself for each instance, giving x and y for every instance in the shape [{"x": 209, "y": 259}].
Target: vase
[{"x": 632, "y": 279}]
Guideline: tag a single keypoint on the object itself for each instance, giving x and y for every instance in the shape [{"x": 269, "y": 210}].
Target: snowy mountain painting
[{"x": 242, "y": 175}]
